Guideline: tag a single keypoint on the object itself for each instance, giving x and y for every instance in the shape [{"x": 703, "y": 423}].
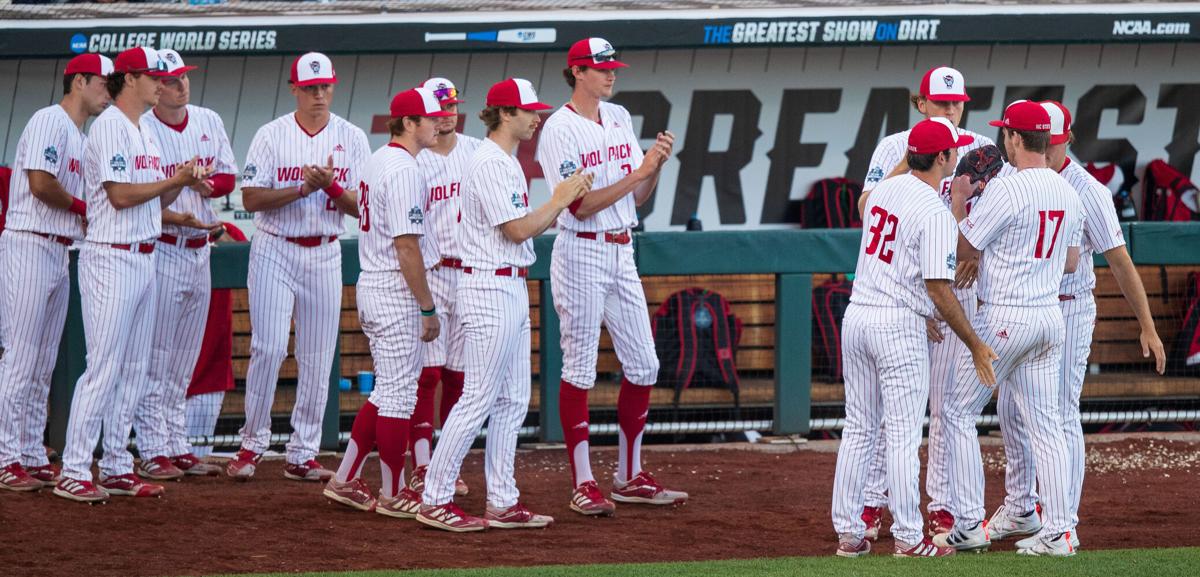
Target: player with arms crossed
[
  {"x": 444, "y": 165},
  {"x": 46, "y": 214},
  {"x": 1029, "y": 227},
  {"x": 905, "y": 269},
  {"x": 493, "y": 308},
  {"x": 942, "y": 94},
  {"x": 594, "y": 277},
  {"x": 300, "y": 179},
  {"x": 183, "y": 132},
  {"x": 126, "y": 191},
  {"x": 395, "y": 306}
]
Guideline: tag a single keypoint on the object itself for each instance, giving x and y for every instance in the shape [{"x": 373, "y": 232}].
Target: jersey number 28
[{"x": 881, "y": 240}]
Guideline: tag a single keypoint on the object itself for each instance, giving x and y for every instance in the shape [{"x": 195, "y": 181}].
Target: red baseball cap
[
  {"x": 141, "y": 59},
  {"x": 594, "y": 53},
  {"x": 515, "y": 92},
  {"x": 174, "y": 62},
  {"x": 944, "y": 83},
  {"x": 1060, "y": 121},
  {"x": 443, "y": 89},
  {"x": 313, "y": 68},
  {"x": 1024, "y": 115},
  {"x": 417, "y": 101},
  {"x": 97, "y": 64},
  {"x": 935, "y": 135}
]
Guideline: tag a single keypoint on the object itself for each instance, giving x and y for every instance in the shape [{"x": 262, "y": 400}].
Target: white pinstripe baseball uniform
[
  {"x": 33, "y": 303},
  {"x": 1024, "y": 224},
  {"x": 444, "y": 175},
  {"x": 493, "y": 307},
  {"x": 943, "y": 356},
  {"x": 1101, "y": 233},
  {"x": 289, "y": 280},
  {"x": 184, "y": 285},
  {"x": 908, "y": 237},
  {"x": 117, "y": 287}
]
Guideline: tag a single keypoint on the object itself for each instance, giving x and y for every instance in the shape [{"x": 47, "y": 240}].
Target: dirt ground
[{"x": 747, "y": 501}]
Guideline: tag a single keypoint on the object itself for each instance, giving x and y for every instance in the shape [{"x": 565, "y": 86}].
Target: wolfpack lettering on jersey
[
  {"x": 893, "y": 148},
  {"x": 201, "y": 134},
  {"x": 1031, "y": 215},
  {"x": 494, "y": 192},
  {"x": 908, "y": 237},
  {"x": 391, "y": 203},
  {"x": 118, "y": 151},
  {"x": 51, "y": 143},
  {"x": 278, "y": 153},
  {"x": 608, "y": 149},
  {"x": 443, "y": 176}
]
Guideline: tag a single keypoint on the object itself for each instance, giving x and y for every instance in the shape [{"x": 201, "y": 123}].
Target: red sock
[
  {"x": 573, "y": 414},
  {"x": 392, "y": 437},
  {"x": 633, "y": 404},
  {"x": 452, "y": 386},
  {"x": 422, "y": 417},
  {"x": 362, "y": 440}
]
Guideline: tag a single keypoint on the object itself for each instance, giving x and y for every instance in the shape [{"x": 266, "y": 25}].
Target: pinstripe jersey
[
  {"x": 278, "y": 153},
  {"x": 203, "y": 135},
  {"x": 1101, "y": 228},
  {"x": 51, "y": 143},
  {"x": 893, "y": 148},
  {"x": 1024, "y": 223},
  {"x": 443, "y": 176},
  {"x": 118, "y": 151},
  {"x": 908, "y": 237},
  {"x": 390, "y": 204},
  {"x": 609, "y": 150},
  {"x": 494, "y": 192}
]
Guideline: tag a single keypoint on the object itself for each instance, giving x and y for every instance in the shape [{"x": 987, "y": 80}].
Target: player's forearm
[
  {"x": 260, "y": 199},
  {"x": 412, "y": 267},
  {"x": 532, "y": 224},
  {"x": 947, "y": 306},
  {"x": 173, "y": 218},
  {"x": 966, "y": 251},
  {"x": 601, "y": 198},
  {"x": 46, "y": 188},
  {"x": 1130, "y": 281},
  {"x": 168, "y": 197},
  {"x": 642, "y": 192},
  {"x": 345, "y": 199},
  {"x": 124, "y": 195}
]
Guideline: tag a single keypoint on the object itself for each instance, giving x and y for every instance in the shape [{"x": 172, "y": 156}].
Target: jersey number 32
[{"x": 883, "y": 233}]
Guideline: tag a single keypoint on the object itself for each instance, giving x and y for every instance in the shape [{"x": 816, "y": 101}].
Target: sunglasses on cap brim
[
  {"x": 609, "y": 55},
  {"x": 448, "y": 93}
]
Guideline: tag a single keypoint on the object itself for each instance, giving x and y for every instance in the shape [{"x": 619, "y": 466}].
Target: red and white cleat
[
  {"x": 353, "y": 493},
  {"x": 47, "y": 474},
  {"x": 243, "y": 464},
  {"x": 15, "y": 478},
  {"x": 449, "y": 517},
  {"x": 852, "y": 548},
  {"x": 80, "y": 491},
  {"x": 516, "y": 517},
  {"x": 192, "y": 465},
  {"x": 130, "y": 485},
  {"x": 405, "y": 505},
  {"x": 159, "y": 469},
  {"x": 309, "y": 470},
  {"x": 925, "y": 548},
  {"x": 643, "y": 488},
  {"x": 588, "y": 500}
]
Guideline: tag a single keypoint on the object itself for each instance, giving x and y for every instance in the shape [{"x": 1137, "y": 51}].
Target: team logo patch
[
  {"x": 951, "y": 262},
  {"x": 171, "y": 58},
  {"x": 517, "y": 202},
  {"x": 249, "y": 172},
  {"x": 949, "y": 80},
  {"x": 315, "y": 66},
  {"x": 875, "y": 174},
  {"x": 567, "y": 168},
  {"x": 50, "y": 154},
  {"x": 415, "y": 215},
  {"x": 117, "y": 163}
]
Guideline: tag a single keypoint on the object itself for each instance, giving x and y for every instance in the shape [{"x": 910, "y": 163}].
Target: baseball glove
[{"x": 981, "y": 164}]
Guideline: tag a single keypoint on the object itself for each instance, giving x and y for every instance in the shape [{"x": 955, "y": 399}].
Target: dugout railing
[{"x": 793, "y": 258}]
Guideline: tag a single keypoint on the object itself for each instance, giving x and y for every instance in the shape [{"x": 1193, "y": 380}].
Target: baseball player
[
  {"x": 45, "y": 216},
  {"x": 300, "y": 179},
  {"x": 942, "y": 94},
  {"x": 593, "y": 275},
  {"x": 395, "y": 306},
  {"x": 443, "y": 165},
  {"x": 496, "y": 240},
  {"x": 1029, "y": 227},
  {"x": 183, "y": 131},
  {"x": 1102, "y": 233},
  {"x": 905, "y": 268},
  {"x": 126, "y": 190}
]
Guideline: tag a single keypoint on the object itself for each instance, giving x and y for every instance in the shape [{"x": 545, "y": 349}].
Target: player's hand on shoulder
[{"x": 430, "y": 327}]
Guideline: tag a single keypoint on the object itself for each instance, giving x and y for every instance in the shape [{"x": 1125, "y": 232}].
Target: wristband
[
  {"x": 78, "y": 207},
  {"x": 334, "y": 190},
  {"x": 429, "y": 313}
]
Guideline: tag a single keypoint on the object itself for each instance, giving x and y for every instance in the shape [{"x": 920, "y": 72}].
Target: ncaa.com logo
[{"x": 79, "y": 43}]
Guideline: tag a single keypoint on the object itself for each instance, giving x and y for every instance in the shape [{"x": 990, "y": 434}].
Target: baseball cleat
[
  {"x": 974, "y": 539},
  {"x": 242, "y": 465},
  {"x": 643, "y": 488},
  {"x": 588, "y": 500},
  {"x": 449, "y": 517},
  {"x": 516, "y": 517},
  {"x": 851, "y": 547},
  {"x": 1004, "y": 524},
  {"x": 940, "y": 522},
  {"x": 353, "y": 493},
  {"x": 1050, "y": 546},
  {"x": 47, "y": 474},
  {"x": 310, "y": 470},
  {"x": 192, "y": 465},
  {"x": 873, "y": 517},
  {"x": 925, "y": 548},
  {"x": 416, "y": 482},
  {"x": 130, "y": 485},
  {"x": 1031, "y": 541},
  {"x": 159, "y": 469},
  {"x": 81, "y": 491},
  {"x": 15, "y": 478},
  {"x": 406, "y": 505}
]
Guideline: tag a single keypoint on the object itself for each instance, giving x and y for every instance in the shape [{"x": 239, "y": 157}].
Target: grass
[{"x": 1115, "y": 563}]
